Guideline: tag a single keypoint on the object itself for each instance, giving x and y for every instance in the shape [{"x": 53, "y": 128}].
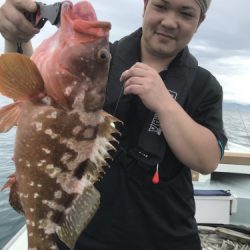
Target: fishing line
[{"x": 118, "y": 100}]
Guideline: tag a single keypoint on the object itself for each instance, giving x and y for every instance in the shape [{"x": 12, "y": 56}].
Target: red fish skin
[{"x": 79, "y": 27}]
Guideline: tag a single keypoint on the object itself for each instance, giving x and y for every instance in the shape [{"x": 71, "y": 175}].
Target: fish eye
[{"x": 103, "y": 56}]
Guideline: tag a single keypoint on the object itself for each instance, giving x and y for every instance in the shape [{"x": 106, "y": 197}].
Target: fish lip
[
  {"x": 97, "y": 24},
  {"x": 91, "y": 30},
  {"x": 101, "y": 24}
]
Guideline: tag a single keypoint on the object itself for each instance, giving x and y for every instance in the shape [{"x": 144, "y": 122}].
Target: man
[{"x": 172, "y": 113}]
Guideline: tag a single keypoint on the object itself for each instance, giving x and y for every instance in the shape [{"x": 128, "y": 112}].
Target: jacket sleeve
[{"x": 205, "y": 104}]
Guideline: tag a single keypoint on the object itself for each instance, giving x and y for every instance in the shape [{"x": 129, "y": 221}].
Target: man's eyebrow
[
  {"x": 185, "y": 7},
  {"x": 165, "y": 1},
  {"x": 188, "y": 8}
]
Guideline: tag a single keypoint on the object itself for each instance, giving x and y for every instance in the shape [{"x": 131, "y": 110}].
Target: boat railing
[
  {"x": 236, "y": 158},
  {"x": 231, "y": 159}
]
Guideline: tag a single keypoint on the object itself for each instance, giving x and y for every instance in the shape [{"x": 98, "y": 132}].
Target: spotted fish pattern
[{"x": 63, "y": 136}]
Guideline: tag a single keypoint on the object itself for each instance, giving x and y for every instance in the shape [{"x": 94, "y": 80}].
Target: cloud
[
  {"x": 125, "y": 15},
  {"x": 221, "y": 43},
  {"x": 222, "y": 46},
  {"x": 227, "y": 25}
]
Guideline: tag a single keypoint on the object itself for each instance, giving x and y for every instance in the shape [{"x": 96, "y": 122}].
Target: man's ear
[
  {"x": 145, "y": 5},
  {"x": 202, "y": 18}
]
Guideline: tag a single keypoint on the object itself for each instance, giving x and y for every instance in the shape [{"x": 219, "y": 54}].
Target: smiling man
[
  {"x": 168, "y": 28},
  {"x": 172, "y": 114}
]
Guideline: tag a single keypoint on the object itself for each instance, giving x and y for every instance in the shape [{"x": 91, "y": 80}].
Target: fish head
[{"x": 74, "y": 62}]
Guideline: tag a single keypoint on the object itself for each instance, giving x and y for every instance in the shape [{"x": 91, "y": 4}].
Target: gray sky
[{"x": 221, "y": 44}]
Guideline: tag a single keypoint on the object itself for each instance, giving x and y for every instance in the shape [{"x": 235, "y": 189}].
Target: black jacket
[{"x": 136, "y": 214}]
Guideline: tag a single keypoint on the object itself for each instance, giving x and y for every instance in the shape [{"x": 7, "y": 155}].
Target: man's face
[{"x": 168, "y": 25}]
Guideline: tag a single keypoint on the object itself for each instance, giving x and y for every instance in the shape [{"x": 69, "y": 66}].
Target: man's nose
[{"x": 170, "y": 20}]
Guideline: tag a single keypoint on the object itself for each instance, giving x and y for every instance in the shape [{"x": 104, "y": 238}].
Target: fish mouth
[
  {"x": 99, "y": 24},
  {"x": 82, "y": 18},
  {"x": 95, "y": 29}
]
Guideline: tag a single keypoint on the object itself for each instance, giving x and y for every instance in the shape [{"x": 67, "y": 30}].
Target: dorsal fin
[
  {"x": 9, "y": 116},
  {"x": 20, "y": 79}
]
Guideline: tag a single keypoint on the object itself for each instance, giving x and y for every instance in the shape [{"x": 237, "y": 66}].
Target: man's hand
[
  {"x": 194, "y": 145},
  {"x": 144, "y": 81},
  {"x": 14, "y": 26}
]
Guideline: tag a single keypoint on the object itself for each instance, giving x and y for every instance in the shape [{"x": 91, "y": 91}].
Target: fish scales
[
  {"x": 63, "y": 136},
  {"x": 49, "y": 163}
]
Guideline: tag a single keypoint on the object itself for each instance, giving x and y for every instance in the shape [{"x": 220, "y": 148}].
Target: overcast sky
[{"x": 222, "y": 43}]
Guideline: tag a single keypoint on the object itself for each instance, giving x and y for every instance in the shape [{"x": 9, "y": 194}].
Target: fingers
[
  {"x": 136, "y": 90},
  {"x": 134, "y": 86},
  {"x": 13, "y": 24},
  {"x": 138, "y": 69},
  {"x": 133, "y": 78},
  {"x": 134, "y": 81},
  {"x": 141, "y": 80},
  {"x": 13, "y": 32},
  {"x": 24, "y": 5},
  {"x": 132, "y": 73}
]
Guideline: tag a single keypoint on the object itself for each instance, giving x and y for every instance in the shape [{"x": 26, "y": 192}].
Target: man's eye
[
  {"x": 187, "y": 14},
  {"x": 160, "y": 6}
]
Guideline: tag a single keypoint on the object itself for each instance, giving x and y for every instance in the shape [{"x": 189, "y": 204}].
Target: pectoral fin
[
  {"x": 19, "y": 77},
  {"x": 9, "y": 116}
]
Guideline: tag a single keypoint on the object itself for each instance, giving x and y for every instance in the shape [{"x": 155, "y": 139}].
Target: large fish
[{"x": 63, "y": 135}]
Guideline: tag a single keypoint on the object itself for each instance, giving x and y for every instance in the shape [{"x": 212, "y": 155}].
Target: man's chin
[{"x": 164, "y": 52}]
